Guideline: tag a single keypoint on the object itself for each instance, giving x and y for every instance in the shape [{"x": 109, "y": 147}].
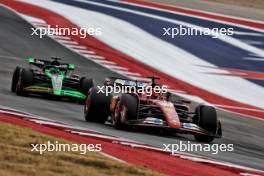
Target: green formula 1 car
[{"x": 50, "y": 77}]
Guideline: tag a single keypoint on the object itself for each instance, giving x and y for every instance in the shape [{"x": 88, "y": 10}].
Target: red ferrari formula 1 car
[{"x": 149, "y": 108}]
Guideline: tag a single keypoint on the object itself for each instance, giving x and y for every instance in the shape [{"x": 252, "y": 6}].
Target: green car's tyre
[
  {"x": 85, "y": 85},
  {"x": 15, "y": 78},
  {"x": 25, "y": 79}
]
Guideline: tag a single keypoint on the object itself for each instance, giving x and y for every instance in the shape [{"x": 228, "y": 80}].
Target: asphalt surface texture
[
  {"x": 16, "y": 44},
  {"x": 217, "y": 7}
]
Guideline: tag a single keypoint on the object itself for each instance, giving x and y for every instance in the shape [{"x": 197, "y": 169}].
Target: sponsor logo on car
[{"x": 152, "y": 120}]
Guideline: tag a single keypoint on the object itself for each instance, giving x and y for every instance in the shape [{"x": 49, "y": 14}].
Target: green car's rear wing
[{"x": 41, "y": 63}]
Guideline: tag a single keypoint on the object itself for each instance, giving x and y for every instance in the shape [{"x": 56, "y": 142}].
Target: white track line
[
  {"x": 93, "y": 56},
  {"x": 253, "y": 42},
  {"x": 71, "y": 42},
  {"x": 86, "y": 52},
  {"x": 76, "y": 46},
  {"x": 104, "y": 62},
  {"x": 116, "y": 68},
  {"x": 129, "y": 73},
  {"x": 248, "y": 34}
]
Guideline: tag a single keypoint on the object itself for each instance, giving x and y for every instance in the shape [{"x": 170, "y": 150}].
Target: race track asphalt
[
  {"x": 217, "y": 7},
  {"x": 16, "y": 44}
]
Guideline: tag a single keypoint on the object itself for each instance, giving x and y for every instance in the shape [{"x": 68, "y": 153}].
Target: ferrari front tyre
[
  {"x": 126, "y": 109},
  {"x": 116, "y": 117},
  {"x": 15, "y": 78},
  {"x": 97, "y": 106},
  {"x": 206, "y": 118},
  {"x": 25, "y": 79}
]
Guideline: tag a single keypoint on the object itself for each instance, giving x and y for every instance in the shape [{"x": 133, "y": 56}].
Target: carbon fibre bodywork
[
  {"x": 49, "y": 78},
  {"x": 151, "y": 111}
]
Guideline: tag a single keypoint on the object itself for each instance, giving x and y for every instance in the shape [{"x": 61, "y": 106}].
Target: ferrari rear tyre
[
  {"x": 206, "y": 118},
  {"x": 97, "y": 106}
]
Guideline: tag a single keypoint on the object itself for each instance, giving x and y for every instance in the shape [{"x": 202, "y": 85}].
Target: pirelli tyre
[
  {"x": 85, "y": 85},
  {"x": 25, "y": 79},
  {"x": 206, "y": 118},
  {"x": 97, "y": 106},
  {"x": 126, "y": 109},
  {"x": 15, "y": 78}
]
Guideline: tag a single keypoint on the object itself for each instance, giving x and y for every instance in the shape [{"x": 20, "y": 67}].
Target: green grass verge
[{"x": 16, "y": 158}]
